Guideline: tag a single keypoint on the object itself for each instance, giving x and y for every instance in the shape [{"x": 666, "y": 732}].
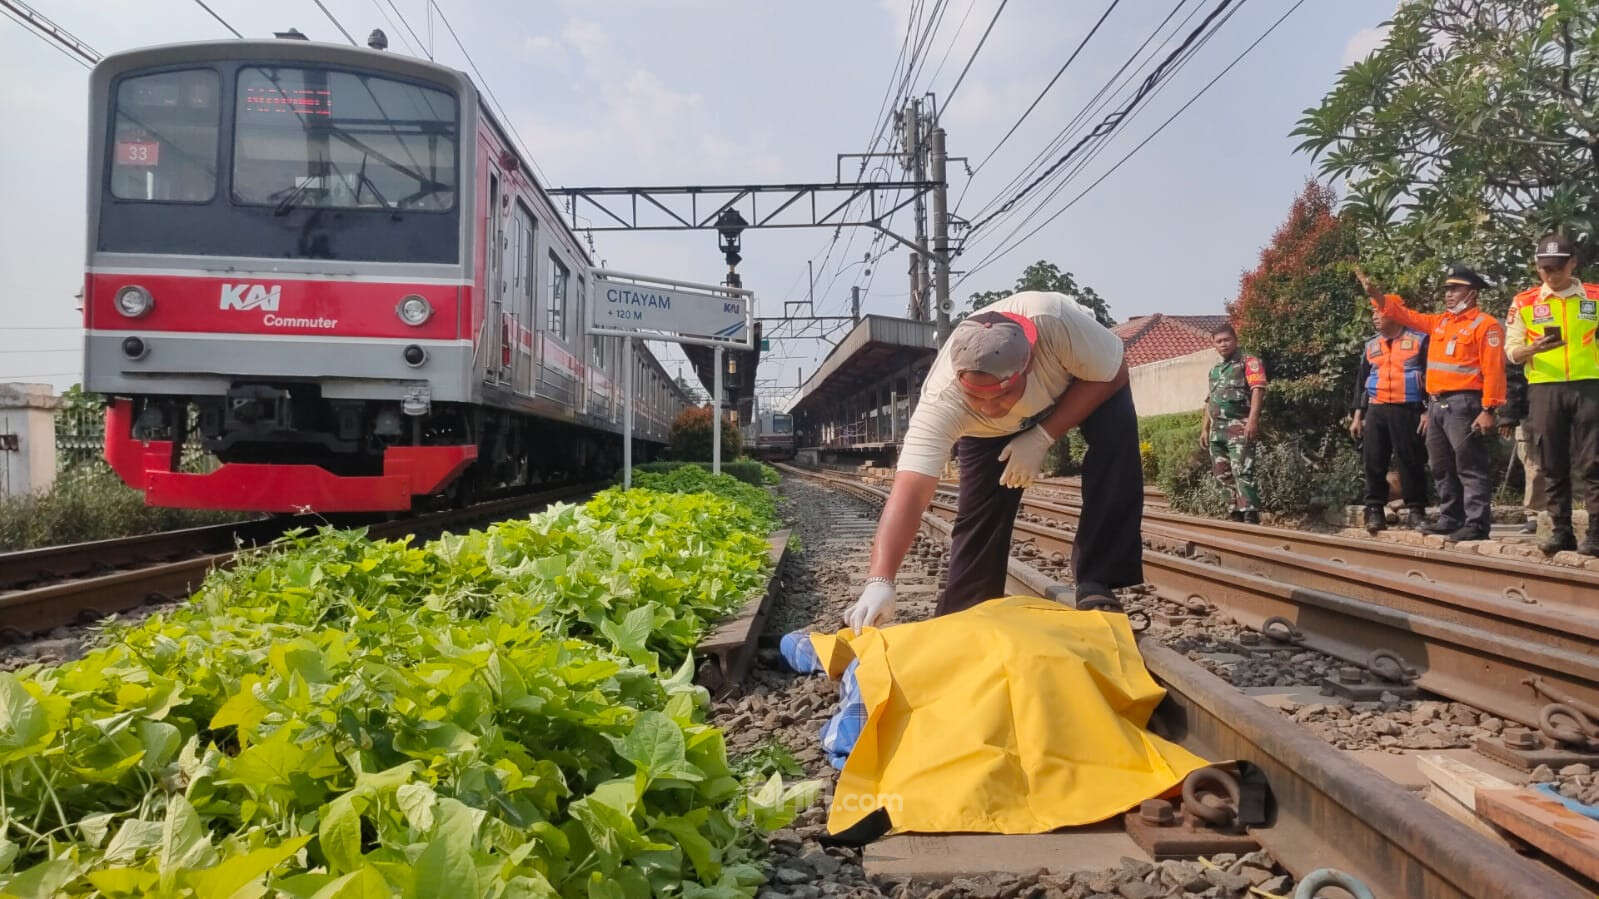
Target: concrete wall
[
  {"x": 27, "y": 412},
  {"x": 1172, "y": 385}
]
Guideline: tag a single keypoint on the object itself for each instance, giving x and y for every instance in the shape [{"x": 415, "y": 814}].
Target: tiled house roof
[{"x": 1151, "y": 338}]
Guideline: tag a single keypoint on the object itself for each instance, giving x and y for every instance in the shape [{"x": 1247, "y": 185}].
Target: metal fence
[{"x": 80, "y": 444}]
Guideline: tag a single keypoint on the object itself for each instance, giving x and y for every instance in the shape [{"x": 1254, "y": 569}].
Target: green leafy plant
[{"x": 508, "y": 712}]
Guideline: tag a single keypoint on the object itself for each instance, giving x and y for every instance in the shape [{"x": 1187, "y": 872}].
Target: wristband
[{"x": 878, "y": 579}]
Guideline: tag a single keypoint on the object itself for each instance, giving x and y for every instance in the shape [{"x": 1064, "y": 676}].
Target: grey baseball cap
[{"x": 993, "y": 343}]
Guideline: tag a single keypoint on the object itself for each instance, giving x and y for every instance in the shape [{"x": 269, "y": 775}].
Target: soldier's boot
[
  {"x": 1251, "y": 517},
  {"x": 1415, "y": 519},
  {"x": 1235, "y": 515},
  {"x": 1439, "y": 528},
  {"x": 1375, "y": 521},
  {"x": 1561, "y": 539}
]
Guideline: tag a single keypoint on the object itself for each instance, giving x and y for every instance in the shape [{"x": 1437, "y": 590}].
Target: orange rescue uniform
[{"x": 1467, "y": 350}]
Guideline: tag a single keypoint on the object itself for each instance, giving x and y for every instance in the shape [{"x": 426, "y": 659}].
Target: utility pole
[
  {"x": 855, "y": 302},
  {"x": 914, "y": 159},
  {"x": 941, "y": 299}
]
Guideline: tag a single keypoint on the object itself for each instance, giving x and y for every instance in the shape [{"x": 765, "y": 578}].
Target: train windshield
[
  {"x": 320, "y": 138},
  {"x": 164, "y": 140}
]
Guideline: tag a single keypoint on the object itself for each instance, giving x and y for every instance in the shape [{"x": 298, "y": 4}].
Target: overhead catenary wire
[
  {"x": 221, "y": 21},
  {"x": 1110, "y": 92},
  {"x": 1061, "y": 71},
  {"x": 1141, "y": 144},
  {"x": 398, "y": 32},
  {"x": 336, "y": 23},
  {"x": 1108, "y": 89},
  {"x": 35, "y": 23},
  {"x": 950, "y": 97},
  {"x": 482, "y": 80},
  {"x": 1066, "y": 177},
  {"x": 1113, "y": 120},
  {"x": 421, "y": 47}
]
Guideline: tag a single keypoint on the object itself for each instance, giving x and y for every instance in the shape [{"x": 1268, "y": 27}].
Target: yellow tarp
[{"x": 1018, "y": 715}]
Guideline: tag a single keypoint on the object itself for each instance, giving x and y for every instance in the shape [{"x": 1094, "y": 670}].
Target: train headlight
[
  {"x": 134, "y": 301},
  {"x": 414, "y": 310}
]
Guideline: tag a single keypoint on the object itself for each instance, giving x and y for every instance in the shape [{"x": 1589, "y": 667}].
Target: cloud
[{"x": 1365, "y": 41}]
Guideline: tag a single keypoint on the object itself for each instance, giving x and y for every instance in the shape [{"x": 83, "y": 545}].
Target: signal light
[
  {"x": 134, "y": 348},
  {"x": 415, "y": 356}
]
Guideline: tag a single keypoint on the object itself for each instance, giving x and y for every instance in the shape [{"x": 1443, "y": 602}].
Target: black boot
[
  {"x": 1590, "y": 546},
  {"x": 1561, "y": 539},
  {"x": 1415, "y": 519},
  {"x": 1375, "y": 520},
  {"x": 1251, "y": 517},
  {"x": 1235, "y": 515},
  {"x": 1439, "y": 528},
  {"x": 1469, "y": 532}
]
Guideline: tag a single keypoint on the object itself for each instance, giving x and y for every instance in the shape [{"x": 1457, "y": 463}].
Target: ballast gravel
[{"x": 818, "y": 583}]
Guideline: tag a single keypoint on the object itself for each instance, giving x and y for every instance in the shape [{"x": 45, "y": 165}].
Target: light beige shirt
[
  {"x": 1071, "y": 344},
  {"x": 1517, "y": 349}
]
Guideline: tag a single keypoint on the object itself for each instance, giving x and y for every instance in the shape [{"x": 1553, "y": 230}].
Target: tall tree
[
  {"x": 1301, "y": 311},
  {"x": 1471, "y": 131},
  {"x": 1043, "y": 275}
]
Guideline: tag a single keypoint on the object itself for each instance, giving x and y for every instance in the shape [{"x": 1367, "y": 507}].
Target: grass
[{"x": 90, "y": 503}]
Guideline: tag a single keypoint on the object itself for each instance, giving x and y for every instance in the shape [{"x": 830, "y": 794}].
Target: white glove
[
  {"x": 1026, "y": 456},
  {"x": 874, "y": 608}
]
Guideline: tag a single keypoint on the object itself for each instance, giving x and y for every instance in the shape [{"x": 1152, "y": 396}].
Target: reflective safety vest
[
  {"x": 1466, "y": 350},
  {"x": 1577, "y": 318},
  {"x": 1397, "y": 368}
]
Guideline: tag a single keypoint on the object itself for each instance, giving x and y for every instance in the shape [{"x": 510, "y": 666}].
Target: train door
[
  {"x": 499, "y": 363},
  {"x": 520, "y": 300}
]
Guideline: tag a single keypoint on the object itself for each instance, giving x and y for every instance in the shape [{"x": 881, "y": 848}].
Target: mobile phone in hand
[{"x": 1552, "y": 332}]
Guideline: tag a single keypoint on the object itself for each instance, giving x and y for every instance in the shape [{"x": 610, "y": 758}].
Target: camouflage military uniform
[{"x": 1232, "y": 457}]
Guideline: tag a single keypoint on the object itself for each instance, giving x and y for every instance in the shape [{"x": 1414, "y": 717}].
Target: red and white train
[{"x": 331, "y": 268}]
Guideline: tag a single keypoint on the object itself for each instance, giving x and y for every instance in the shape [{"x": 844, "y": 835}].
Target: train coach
[{"x": 330, "y": 268}]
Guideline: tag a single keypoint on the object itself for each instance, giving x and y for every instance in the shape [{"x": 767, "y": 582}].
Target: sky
[{"x": 651, "y": 92}]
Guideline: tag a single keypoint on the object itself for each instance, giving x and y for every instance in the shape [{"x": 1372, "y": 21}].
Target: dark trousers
[
  {"x": 1459, "y": 461},
  {"x": 1391, "y": 430},
  {"x": 1108, "y": 549},
  {"x": 1565, "y": 423}
]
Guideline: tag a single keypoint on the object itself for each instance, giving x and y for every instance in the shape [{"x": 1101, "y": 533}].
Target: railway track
[
  {"x": 1328, "y": 809},
  {"x": 46, "y": 588},
  {"x": 1447, "y": 614}
]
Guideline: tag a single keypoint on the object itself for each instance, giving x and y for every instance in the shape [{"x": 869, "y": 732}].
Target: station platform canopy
[{"x": 861, "y": 396}]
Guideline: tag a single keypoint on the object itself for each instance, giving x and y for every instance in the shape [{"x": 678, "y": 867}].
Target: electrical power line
[
  {"x": 1113, "y": 120},
  {"x": 510, "y": 125},
  {"x": 953, "y": 38},
  {"x": 1106, "y": 90},
  {"x": 41, "y": 27},
  {"x": 950, "y": 97},
  {"x": 336, "y": 23},
  {"x": 1036, "y": 100},
  {"x": 1109, "y": 93},
  {"x": 1066, "y": 177},
  {"x": 222, "y": 21},
  {"x": 1162, "y": 127},
  {"x": 421, "y": 47}
]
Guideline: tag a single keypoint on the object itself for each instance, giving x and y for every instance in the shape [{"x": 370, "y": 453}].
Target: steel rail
[
  {"x": 1467, "y": 655},
  {"x": 1327, "y": 809},
  {"x": 1532, "y": 585},
  {"x": 38, "y": 609},
  {"x": 1472, "y": 603},
  {"x": 53, "y": 563},
  {"x": 1475, "y": 659}
]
